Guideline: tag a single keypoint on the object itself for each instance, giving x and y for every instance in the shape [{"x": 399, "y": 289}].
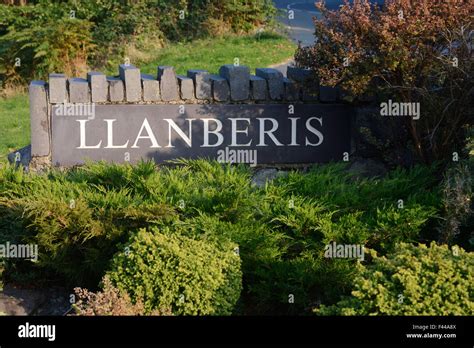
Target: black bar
[{"x": 242, "y": 330}]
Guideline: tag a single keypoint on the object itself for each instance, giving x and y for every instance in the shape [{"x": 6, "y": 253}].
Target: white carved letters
[{"x": 264, "y": 132}]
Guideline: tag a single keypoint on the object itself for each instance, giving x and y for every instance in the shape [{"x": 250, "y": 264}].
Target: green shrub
[
  {"x": 378, "y": 212},
  {"x": 458, "y": 188},
  {"x": 168, "y": 270},
  {"x": 333, "y": 184},
  {"x": 76, "y": 226},
  {"x": 211, "y": 17},
  {"x": 259, "y": 248},
  {"x": 205, "y": 186},
  {"x": 391, "y": 225},
  {"x": 294, "y": 285},
  {"x": 68, "y": 36},
  {"x": 45, "y": 39},
  {"x": 414, "y": 280},
  {"x": 281, "y": 230},
  {"x": 280, "y": 258}
]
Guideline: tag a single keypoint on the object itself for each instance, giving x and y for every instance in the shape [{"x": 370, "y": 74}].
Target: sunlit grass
[
  {"x": 14, "y": 124},
  {"x": 255, "y": 51}
]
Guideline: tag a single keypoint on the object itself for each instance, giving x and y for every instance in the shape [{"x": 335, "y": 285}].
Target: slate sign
[{"x": 253, "y": 134}]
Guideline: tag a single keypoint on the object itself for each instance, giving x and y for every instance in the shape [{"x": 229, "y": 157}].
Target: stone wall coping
[{"x": 267, "y": 85}]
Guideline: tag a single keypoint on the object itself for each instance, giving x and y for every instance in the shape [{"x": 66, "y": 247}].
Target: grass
[
  {"x": 14, "y": 125},
  {"x": 255, "y": 51},
  {"x": 209, "y": 54}
]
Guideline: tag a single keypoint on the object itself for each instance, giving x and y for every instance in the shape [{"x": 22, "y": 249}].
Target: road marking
[
  {"x": 289, "y": 7},
  {"x": 300, "y": 28}
]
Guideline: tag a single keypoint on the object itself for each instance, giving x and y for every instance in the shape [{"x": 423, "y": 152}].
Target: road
[{"x": 300, "y": 27}]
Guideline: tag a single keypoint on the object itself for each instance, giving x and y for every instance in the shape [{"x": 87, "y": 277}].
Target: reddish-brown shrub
[
  {"x": 110, "y": 301},
  {"x": 408, "y": 50}
]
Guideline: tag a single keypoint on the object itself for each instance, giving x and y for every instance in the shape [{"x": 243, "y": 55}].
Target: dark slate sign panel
[{"x": 254, "y": 134}]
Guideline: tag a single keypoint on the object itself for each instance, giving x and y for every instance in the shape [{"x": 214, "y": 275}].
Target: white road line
[{"x": 300, "y": 29}]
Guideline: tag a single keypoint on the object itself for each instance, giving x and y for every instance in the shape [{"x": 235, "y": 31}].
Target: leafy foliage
[
  {"x": 414, "y": 280},
  {"x": 411, "y": 51},
  {"x": 457, "y": 202},
  {"x": 68, "y": 36},
  {"x": 37, "y": 40},
  {"x": 169, "y": 270},
  {"x": 281, "y": 230},
  {"x": 109, "y": 301},
  {"x": 75, "y": 225}
]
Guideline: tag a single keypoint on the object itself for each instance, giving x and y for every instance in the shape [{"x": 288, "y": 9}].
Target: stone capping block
[
  {"x": 39, "y": 119},
  {"x": 116, "y": 89},
  {"x": 78, "y": 90},
  {"x": 292, "y": 91},
  {"x": 202, "y": 83},
  {"x": 307, "y": 84},
  {"x": 151, "y": 88},
  {"x": 258, "y": 88},
  {"x": 274, "y": 78},
  {"x": 57, "y": 88},
  {"x": 344, "y": 95},
  {"x": 220, "y": 88},
  {"x": 168, "y": 83},
  {"x": 310, "y": 94},
  {"x": 298, "y": 74},
  {"x": 239, "y": 81},
  {"x": 132, "y": 80},
  {"x": 98, "y": 86},
  {"x": 327, "y": 94},
  {"x": 186, "y": 87}
]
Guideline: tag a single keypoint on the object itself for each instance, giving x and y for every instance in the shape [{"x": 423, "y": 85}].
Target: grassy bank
[
  {"x": 14, "y": 124},
  {"x": 253, "y": 50}
]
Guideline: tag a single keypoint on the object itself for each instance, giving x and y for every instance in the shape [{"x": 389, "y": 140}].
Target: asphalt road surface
[{"x": 300, "y": 28}]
